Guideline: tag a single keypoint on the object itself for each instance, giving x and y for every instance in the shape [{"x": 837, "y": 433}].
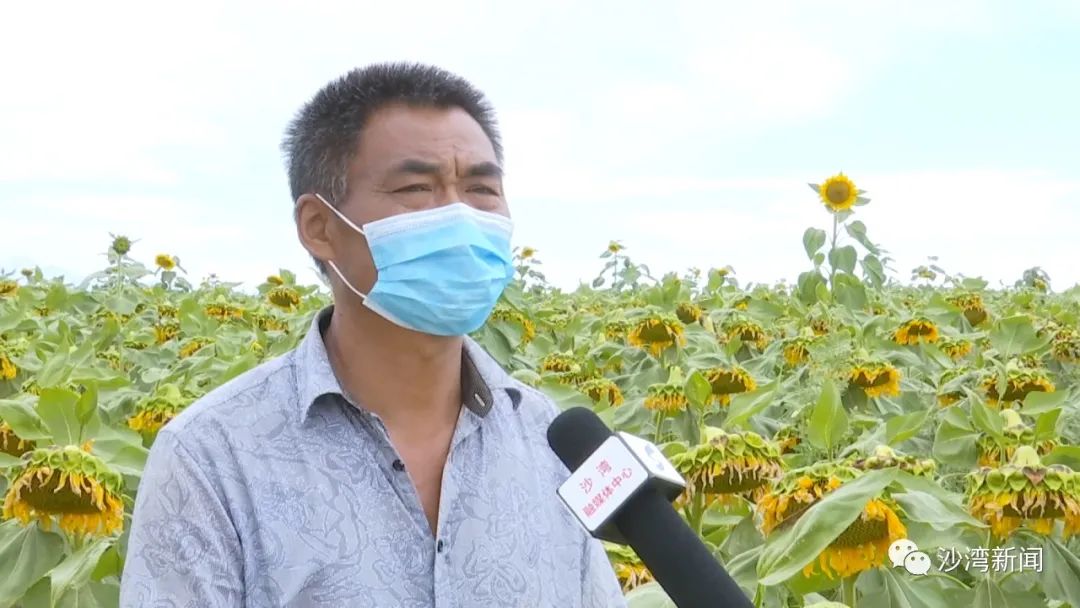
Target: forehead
[{"x": 437, "y": 135}]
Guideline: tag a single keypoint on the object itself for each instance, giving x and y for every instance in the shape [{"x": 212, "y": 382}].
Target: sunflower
[
  {"x": 885, "y": 457},
  {"x": 567, "y": 368},
  {"x": 11, "y": 444},
  {"x": 510, "y": 315},
  {"x": 915, "y": 331},
  {"x": 955, "y": 348},
  {"x": 165, "y": 261},
  {"x": 628, "y": 567},
  {"x": 742, "y": 303},
  {"x": 951, "y": 385},
  {"x": 787, "y": 439},
  {"x": 69, "y": 486},
  {"x": 163, "y": 332},
  {"x": 616, "y": 330},
  {"x": 193, "y": 346},
  {"x": 1025, "y": 493},
  {"x": 8, "y": 288},
  {"x": 285, "y": 298},
  {"x": 8, "y": 370},
  {"x": 876, "y": 378},
  {"x": 111, "y": 356},
  {"x": 821, "y": 325},
  {"x": 120, "y": 245},
  {"x": 1021, "y": 383},
  {"x": 729, "y": 463},
  {"x": 656, "y": 333},
  {"x": 1015, "y": 434},
  {"x": 862, "y": 546},
  {"x": 838, "y": 193},
  {"x": 223, "y": 311},
  {"x": 1066, "y": 346},
  {"x": 527, "y": 252},
  {"x": 615, "y": 247},
  {"x": 270, "y": 323},
  {"x": 275, "y": 280},
  {"x": 599, "y": 389},
  {"x": 667, "y": 398},
  {"x": 156, "y": 411},
  {"x": 726, "y": 382},
  {"x": 167, "y": 311},
  {"x": 796, "y": 351},
  {"x": 748, "y": 332},
  {"x": 688, "y": 312},
  {"x": 972, "y": 305}
]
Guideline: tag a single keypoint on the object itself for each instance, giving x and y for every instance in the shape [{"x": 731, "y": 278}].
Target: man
[{"x": 387, "y": 461}]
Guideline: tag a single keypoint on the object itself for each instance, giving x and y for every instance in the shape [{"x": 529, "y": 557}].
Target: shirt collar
[{"x": 480, "y": 374}]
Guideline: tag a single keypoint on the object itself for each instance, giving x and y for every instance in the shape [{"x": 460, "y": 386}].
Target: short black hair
[{"x": 322, "y": 139}]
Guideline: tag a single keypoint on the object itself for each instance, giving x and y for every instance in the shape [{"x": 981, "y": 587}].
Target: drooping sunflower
[
  {"x": 821, "y": 325},
  {"x": 157, "y": 410},
  {"x": 1066, "y": 346},
  {"x": 787, "y": 439},
  {"x": 600, "y": 388},
  {"x": 165, "y": 261},
  {"x": 616, "y": 330},
  {"x": 11, "y": 444},
  {"x": 656, "y": 333},
  {"x": 567, "y": 368},
  {"x": 8, "y": 289},
  {"x": 876, "y": 378},
  {"x": 915, "y": 331},
  {"x": 796, "y": 350},
  {"x": 167, "y": 311},
  {"x": 688, "y": 312},
  {"x": 728, "y": 381},
  {"x": 163, "y": 332},
  {"x": 8, "y": 370},
  {"x": 972, "y": 305},
  {"x": 955, "y": 347},
  {"x": 885, "y": 457},
  {"x": 862, "y": 546},
  {"x": 67, "y": 486},
  {"x": 267, "y": 322},
  {"x": 1025, "y": 493},
  {"x": 729, "y": 463},
  {"x": 506, "y": 314},
  {"x": 951, "y": 385},
  {"x": 667, "y": 398},
  {"x": 1021, "y": 382},
  {"x": 838, "y": 193},
  {"x": 223, "y": 311},
  {"x": 748, "y": 332},
  {"x": 193, "y": 346},
  {"x": 284, "y": 297},
  {"x": 628, "y": 567},
  {"x": 1014, "y": 434}
]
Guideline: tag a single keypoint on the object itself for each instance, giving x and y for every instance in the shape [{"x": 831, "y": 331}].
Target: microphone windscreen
[{"x": 575, "y": 434}]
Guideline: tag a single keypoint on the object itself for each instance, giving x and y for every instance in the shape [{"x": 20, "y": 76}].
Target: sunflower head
[
  {"x": 971, "y": 303},
  {"x": 8, "y": 288},
  {"x": 165, "y": 261},
  {"x": 600, "y": 388},
  {"x": 615, "y": 247},
  {"x": 729, "y": 463},
  {"x": 527, "y": 252},
  {"x": 657, "y": 332},
  {"x": 193, "y": 346},
  {"x": 1025, "y": 493},
  {"x": 787, "y": 439},
  {"x": 165, "y": 331},
  {"x": 284, "y": 297},
  {"x": 876, "y": 378},
  {"x": 67, "y": 486},
  {"x": 8, "y": 370},
  {"x": 885, "y": 457},
  {"x": 728, "y": 381},
  {"x": 11, "y": 444},
  {"x": 748, "y": 332},
  {"x": 838, "y": 193},
  {"x": 628, "y": 567},
  {"x": 915, "y": 331},
  {"x": 507, "y": 314},
  {"x": 155, "y": 411},
  {"x": 616, "y": 330},
  {"x": 1015, "y": 433},
  {"x": 955, "y": 348},
  {"x": 688, "y": 312},
  {"x": 267, "y": 322},
  {"x": 1021, "y": 382},
  {"x": 796, "y": 350},
  {"x": 667, "y": 398},
  {"x": 1066, "y": 346},
  {"x": 224, "y": 311},
  {"x": 120, "y": 245}
]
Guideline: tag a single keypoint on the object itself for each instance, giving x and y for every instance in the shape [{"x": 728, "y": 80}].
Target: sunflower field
[{"x": 816, "y": 423}]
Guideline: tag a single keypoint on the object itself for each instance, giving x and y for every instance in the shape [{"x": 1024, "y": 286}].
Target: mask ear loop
[{"x": 331, "y": 263}]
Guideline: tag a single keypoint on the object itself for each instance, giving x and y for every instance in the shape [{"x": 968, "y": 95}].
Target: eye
[
  {"x": 485, "y": 190},
  {"x": 414, "y": 188}
]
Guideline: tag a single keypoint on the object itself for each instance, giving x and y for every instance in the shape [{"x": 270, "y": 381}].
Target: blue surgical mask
[{"x": 440, "y": 271}]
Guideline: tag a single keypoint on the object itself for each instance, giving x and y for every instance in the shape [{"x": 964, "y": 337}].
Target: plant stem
[
  {"x": 848, "y": 591},
  {"x": 832, "y": 248}
]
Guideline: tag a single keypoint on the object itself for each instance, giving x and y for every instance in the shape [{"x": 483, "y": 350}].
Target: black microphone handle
[{"x": 675, "y": 555}]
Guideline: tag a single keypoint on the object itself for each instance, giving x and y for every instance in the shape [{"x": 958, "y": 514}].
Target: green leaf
[
  {"x": 20, "y": 415},
  {"x": 746, "y": 405},
  {"x": 1061, "y": 570},
  {"x": 955, "y": 442},
  {"x": 74, "y": 572},
  {"x": 857, "y": 231},
  {"x": 56, "y": 406},
  {"x": 850, "y": 292},
  {"x": 932, "y": 510},
  {"x": 889, "y": 588},
  {"x": 698, "y": 390},
  {"x": 1046, "y": 425},
  {"x": 1068, "y": 455},
  {"x": 987, "y": 420},
  {"x": 787, "y": 552},
  {"x": 843, "y": 258},
  {"x": 26, "y": 553},
  {"x": 813, "y": 240},
  {"x": 87, "y": 404},
  {"x": 1015, "y": 336},
  {"x": 828, "y": 420},
  {"x": 990, "y": 594},
  {"x": 899, "y": 429},
  {"x": 1038, "y": 402},
  {"x": 649, "y": 595}
]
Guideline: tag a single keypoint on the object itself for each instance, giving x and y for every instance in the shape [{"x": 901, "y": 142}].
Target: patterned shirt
[{"x": 275, "y": 489}]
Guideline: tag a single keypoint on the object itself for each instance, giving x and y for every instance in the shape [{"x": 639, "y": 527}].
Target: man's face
[{"x": 408, "y": 159}]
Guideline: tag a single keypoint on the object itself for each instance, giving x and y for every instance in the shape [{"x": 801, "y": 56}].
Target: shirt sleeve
[
  {"x": 184, "y": 550},
  {"x": 599, "y": 585}
]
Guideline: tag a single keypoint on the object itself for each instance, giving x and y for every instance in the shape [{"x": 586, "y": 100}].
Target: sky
[{"x": 688, "y": 131}]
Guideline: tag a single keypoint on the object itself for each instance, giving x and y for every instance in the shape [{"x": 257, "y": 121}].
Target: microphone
[{"x": 621, "y": 488}]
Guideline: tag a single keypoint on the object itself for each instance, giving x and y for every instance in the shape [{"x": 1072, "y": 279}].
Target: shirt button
[
  {"x": 439, "y": 546},
  {"x": 399, "y": 466}
]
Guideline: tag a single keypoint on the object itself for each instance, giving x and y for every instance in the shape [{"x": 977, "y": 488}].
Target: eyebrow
[{"x": 421, "y": 167}]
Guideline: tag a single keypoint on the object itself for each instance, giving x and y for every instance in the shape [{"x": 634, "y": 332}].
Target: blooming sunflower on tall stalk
[
  {"x": 876, "y": 378},
  {"x": 156, "y": 411},
  {"x": 728, "y": 381},
  {"x": 1025, "y": 493},
  {"x": 863, "y": 545},
  {"x": 11, "y": 444},
  {"x": 916, "y": 331},
  {"x": 838, "y": 193},
  {"x": 165, "y": 261},
  {"x": 1014, "y": 434},
  {"x": 1021, "y": 382},
  {"x": 656, "y": 333},
  {"x": 727, "y": 464},
  {"x": 69, "y": 487}
]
